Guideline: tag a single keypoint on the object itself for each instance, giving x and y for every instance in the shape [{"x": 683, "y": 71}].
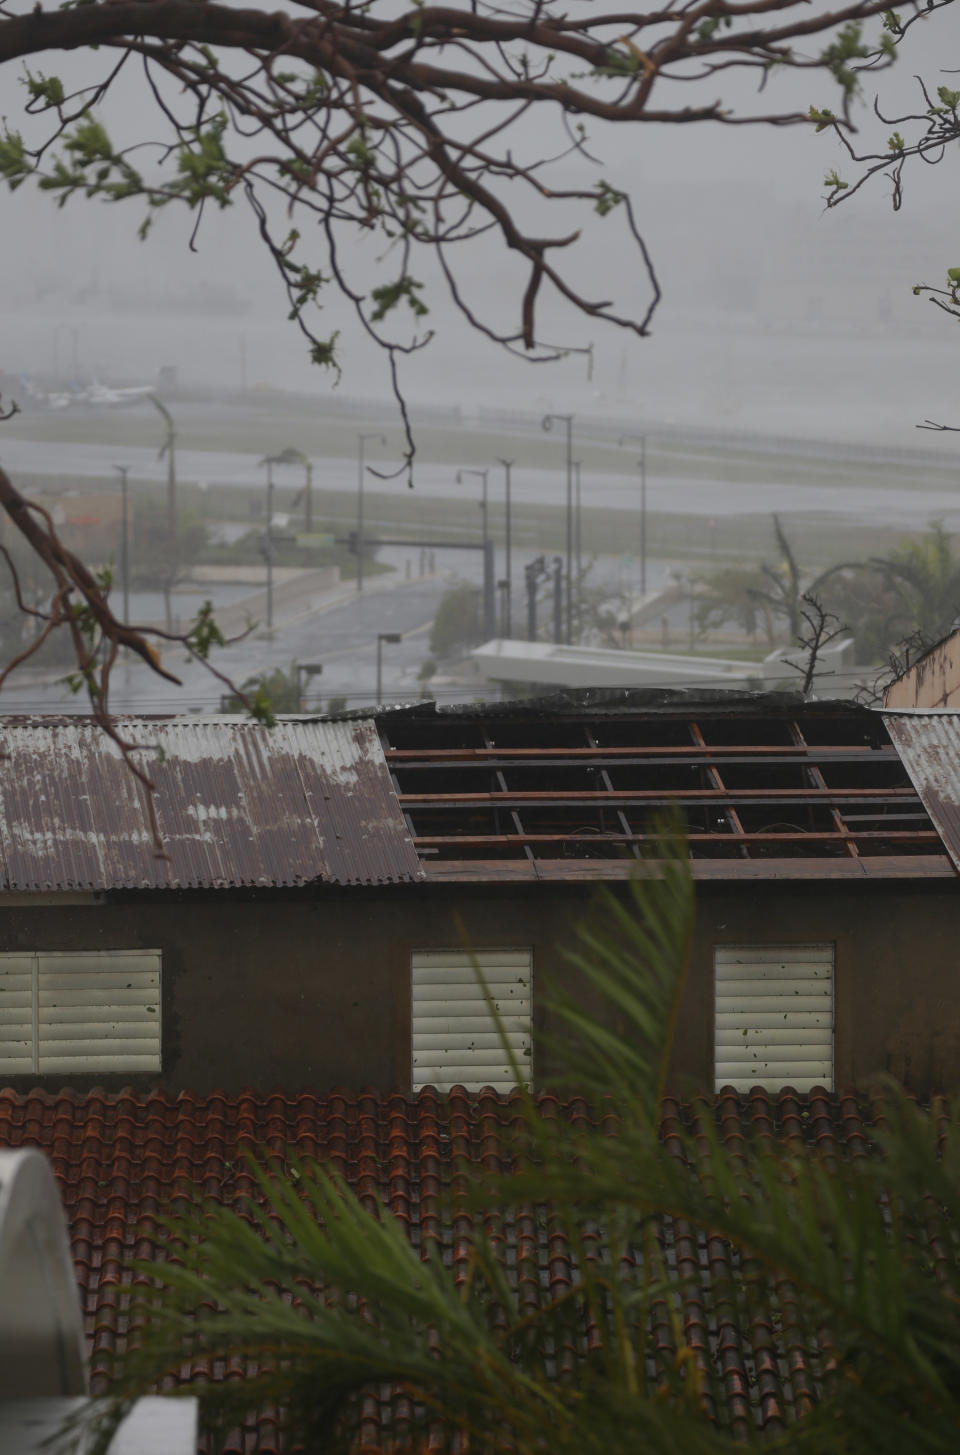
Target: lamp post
[
  {"x": 168, "y": 448},
  {"x": 123, "y": 471},
  {"x": 268, "y": 541},
  {"x": 578, "y": 539},
  {"x": 548, "y": 423},
  {"x": 307, "y": 670},
  {"x": 533, "y": 572},
  {"x": 391, "y": 638},
  {"x": 56, "y": 352},
  {"x": 361, "y": 441},
  {"x": 489, "y": 625},
  {"x": 508, "y": 621},
  {"x": 288, "y": 456},
  {"x": 308, "y": 496},
  {"x": 641, "y": 439}
]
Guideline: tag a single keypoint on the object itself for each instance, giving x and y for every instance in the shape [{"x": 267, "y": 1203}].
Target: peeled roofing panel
[
  {"x": 236, "y": 803},
  {"x": 929, "y": 745}
]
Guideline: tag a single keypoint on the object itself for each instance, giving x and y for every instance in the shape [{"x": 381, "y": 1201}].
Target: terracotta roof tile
[{"x": 121, "y": 1159}]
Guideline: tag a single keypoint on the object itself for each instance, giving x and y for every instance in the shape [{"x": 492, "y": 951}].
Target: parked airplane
[
  {"x": 97, "y": 393},
  {"x": 91, "y": 394}
]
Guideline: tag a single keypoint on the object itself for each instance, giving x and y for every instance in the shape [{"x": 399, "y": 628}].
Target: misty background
[
  {"x": 779, "y": 319},
  {"x": 777, "y": 315}
]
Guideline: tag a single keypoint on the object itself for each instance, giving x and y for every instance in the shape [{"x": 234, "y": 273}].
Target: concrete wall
[
  {"x": 313, "y": 991},
  {"x": 933, "y": 681}
]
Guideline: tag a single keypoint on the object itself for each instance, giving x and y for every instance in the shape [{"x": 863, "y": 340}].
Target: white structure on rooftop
[
  {"x": 43, "y": 1364},
  {"x": 551, "y": 664}
]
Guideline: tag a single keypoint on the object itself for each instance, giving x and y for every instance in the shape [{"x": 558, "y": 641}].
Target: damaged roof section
[
  {"x": 238, "y": 805},
  {"x": 929, "y": 744},
  {"x": 767, "y": 787}
]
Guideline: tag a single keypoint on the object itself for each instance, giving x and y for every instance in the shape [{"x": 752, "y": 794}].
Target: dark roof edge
[{"x": 600, "y": 700}]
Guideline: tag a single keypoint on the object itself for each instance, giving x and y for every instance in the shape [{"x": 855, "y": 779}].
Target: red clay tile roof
[{"x": 122, "y": 1158}]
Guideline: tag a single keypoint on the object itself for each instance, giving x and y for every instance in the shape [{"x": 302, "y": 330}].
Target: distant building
[
  {"x": 933, "y": 680},
  {"x": 88, "y": 522}
]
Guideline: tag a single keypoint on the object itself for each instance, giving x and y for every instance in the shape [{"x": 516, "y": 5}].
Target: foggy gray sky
[{"x": 776, "y": 315}]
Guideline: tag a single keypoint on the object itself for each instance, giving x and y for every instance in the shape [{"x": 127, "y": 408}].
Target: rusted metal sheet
[
  {"x": 883, "y": 866},
  {"x": 929, "y": 745},
  {"x": 237, "y": 804},
  {"x": 811, "y": 783}
]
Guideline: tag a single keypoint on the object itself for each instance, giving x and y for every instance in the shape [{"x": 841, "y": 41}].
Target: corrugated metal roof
[
  {"x": 929, "y": 745},
  {"x": 237, "y": 804}
]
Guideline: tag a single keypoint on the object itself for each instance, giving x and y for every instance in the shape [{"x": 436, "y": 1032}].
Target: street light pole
[
  {"x": 567, "y": 419},
  {"x": 508, "y": 620},
  {"x": 168, "y": 448},
  {"x": 308, "y": 496},
  {"x": 577, "y": 550},
  {"x": 391, "y": 638},
  {"x": 489, "y": 624},
  {"x": 361, "y": 441},
  {"x": 268, "y": 544},
  {"x": 123, "y": 471},
  {"x": 642, "y": 440}
]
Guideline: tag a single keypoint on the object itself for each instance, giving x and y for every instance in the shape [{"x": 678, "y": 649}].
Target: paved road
[
  {"x": 929, "y": 495},
  {"x": 342, "y": 635}
]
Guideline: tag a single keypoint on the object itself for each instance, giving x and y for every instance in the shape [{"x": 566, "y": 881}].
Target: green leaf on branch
[
  {"x": 896, "y": 142},
  {"x": 324, "y": 352},
  {"x": 306, "y": 284},
  {"x": 389, "y": 295},
  {"x": 15, "y": 166},
  {"x": 950, "y": 99},
  {"x": 822, "y": 117},
  {"x": 834, "y": 181},
  {"x": 619, "y": 63},
  {"x": 204, "y": 634},
  {"x": 607, "y": 198},
  {"x": 89, "y": 142},
  {"x": 204, "y": 169},
  {"x": 360, "y": 151},
  {"x": 261, "y": 708},
  {"x": 848, "y": 46},
  {"x": 48, "y": 89}
]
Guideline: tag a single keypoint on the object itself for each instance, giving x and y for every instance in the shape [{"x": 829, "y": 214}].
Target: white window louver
[
  {"x": 773, "y": 1023},
  {"x": 455, "y": 1039},
  {"x": 64, "y": 1012}
]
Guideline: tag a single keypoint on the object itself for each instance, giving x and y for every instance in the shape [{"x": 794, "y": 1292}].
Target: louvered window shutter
[
  {"x": 455, "y": 1040},
  {"x": 17, "y": 1015},
  {"x": 773, "y": 1016},
  {"x": 64, "y": 1012}
]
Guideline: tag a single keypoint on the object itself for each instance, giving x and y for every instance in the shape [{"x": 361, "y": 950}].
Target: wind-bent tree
[
  {"x": 334, "y": 121},
  {"x": 748, "y": 594},
  {"x": 925, "y": 574}
]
